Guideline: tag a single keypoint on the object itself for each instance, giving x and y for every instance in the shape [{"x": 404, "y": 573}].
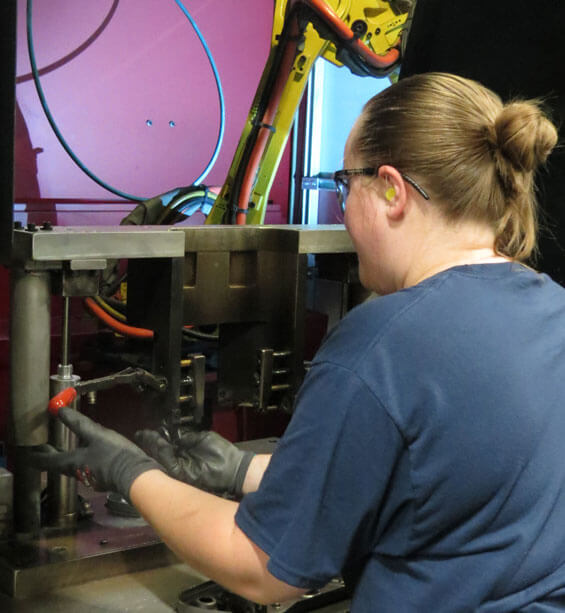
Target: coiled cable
[{"x": 67, "y": 147}]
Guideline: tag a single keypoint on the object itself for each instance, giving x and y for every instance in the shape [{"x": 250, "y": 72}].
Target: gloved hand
[
  {"x": 203, "y": 459},
  {"x": 107, "y": 461}
]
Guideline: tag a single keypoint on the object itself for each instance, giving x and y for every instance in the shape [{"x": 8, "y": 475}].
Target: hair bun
[{"x": 523, "y": 135}]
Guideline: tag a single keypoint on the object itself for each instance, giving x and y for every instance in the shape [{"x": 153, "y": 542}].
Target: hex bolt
[{"x": 359, "y": 28}]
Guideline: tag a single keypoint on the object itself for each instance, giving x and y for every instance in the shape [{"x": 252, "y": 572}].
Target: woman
[{"x": 424, "y": 461}]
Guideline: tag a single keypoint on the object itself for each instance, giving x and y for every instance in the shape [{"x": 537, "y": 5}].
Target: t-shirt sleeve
[{"x": 317, "y": 509}]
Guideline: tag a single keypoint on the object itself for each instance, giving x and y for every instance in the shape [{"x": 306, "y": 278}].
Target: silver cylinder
[
  {"x": 65, "y": 331},
  {"x": 30, "y": 335},
  {"x": 62, "y": 491}
]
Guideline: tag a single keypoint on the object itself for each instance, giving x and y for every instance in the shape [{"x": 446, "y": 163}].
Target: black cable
[
  {"x": 197, "y": 334},
  {"x": 66, "y": 146},
  {"x": 51, "y": 120}
]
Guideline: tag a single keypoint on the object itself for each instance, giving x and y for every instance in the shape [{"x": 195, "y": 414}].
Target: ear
[{"x": 394, "y": 192}]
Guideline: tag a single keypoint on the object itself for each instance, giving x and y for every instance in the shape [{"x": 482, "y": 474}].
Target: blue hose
[{"x": 220, "y": 96}]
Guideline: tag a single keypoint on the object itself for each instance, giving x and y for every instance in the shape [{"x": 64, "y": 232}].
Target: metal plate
[
  {"x": 100, "y": 547},
  {"x": 291, "y": 238},
  {"x": 211, "y": 597},
  {"x": 147, "y": 591},
  {"x": 97, "y": 242}
]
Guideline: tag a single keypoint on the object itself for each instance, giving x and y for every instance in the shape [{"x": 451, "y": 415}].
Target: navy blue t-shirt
[{"x": 425, "y": 460}]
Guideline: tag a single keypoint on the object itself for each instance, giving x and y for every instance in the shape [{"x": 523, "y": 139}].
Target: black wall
[{"x": 517, "y": 49}]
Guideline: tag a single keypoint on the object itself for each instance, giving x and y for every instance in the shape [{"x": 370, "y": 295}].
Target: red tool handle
[{"x": 62, "y": 399}]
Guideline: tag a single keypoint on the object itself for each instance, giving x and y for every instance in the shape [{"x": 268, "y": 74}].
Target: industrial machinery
[
  {"x": 364, "y": 35},
  {"x": 219, "y": 314}
]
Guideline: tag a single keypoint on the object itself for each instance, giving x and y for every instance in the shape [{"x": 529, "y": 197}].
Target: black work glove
[
  {"x": 106, "y": 460},
  {"x": 203, "y": 459}
]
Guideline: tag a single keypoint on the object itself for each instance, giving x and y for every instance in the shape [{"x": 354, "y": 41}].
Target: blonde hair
[{"x": 475, "y": 155}]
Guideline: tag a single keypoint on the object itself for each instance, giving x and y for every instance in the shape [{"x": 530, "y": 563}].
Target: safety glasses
[{"x": 342, "y": 178}]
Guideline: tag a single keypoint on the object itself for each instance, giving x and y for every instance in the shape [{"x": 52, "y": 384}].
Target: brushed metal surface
[{"x": 96, "y": 243}]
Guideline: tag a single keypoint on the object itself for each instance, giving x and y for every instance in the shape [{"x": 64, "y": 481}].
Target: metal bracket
[
  {"x": 323, "y": 180},
  {"x": 137, "y": 377},
  {"x": 266, "y": 376},
  {"x": 195, "y": 380}
]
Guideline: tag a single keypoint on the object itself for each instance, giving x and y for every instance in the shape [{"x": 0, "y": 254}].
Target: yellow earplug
[{"x": 390, "y": 193}]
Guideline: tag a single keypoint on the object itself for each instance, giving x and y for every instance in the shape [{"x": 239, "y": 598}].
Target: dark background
[{"x": 517, "y": 49}]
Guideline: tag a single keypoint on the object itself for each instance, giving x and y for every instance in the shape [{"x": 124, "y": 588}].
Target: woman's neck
[
  {"x": 439, "y": 245},
  {"x": 481, "y": 255}
]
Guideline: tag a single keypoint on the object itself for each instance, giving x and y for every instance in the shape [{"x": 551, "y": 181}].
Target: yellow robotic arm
[{"x": 364, "y": 35}]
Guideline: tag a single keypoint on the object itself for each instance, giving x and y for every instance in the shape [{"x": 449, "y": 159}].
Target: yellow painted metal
[
  {"x": 290, "y": 99},
  {"x": 384, "y": 25},
  {"x": 383, "y": 30}
]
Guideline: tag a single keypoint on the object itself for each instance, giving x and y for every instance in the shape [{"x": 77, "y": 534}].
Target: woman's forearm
[
  {"x": 200, "y": 528},
  {"x": 255, "y": 472}
]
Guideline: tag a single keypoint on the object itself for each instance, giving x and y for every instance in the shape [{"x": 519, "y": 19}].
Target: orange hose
[
  {"x": 379, "y": 61},
  {"x": 264, "y": 133},
  {"x": 116, "y": 325}
]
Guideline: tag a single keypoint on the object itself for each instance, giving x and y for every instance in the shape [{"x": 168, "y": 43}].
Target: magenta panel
[{"x": 145, "y": 64}]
